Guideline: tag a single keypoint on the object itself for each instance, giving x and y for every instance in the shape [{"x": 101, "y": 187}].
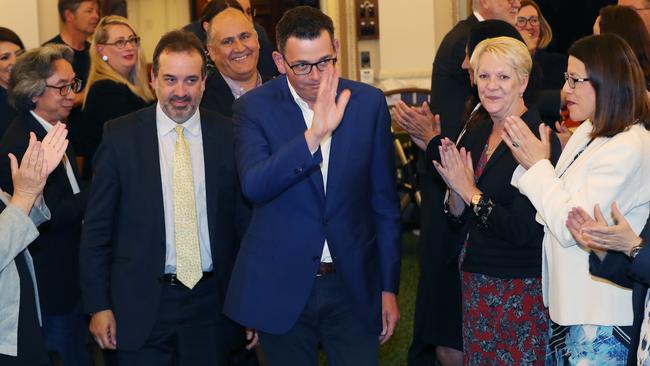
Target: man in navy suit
[
  {"x": 165, "y": 193},
  {"x": 320, "y": 261}
]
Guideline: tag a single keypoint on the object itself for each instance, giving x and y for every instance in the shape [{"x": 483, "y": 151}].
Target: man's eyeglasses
[
  {"x": 533, "y": 20},
  {"x": 121, "y": 43},
  {"x": 304, "y": 68},
  {"x": 74, "y": 86},
  {"x": 251, "y": 12},
  {"x": 572, "y": 81}
]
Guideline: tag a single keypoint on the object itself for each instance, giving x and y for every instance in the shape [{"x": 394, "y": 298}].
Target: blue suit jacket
[{"x": 281, "y": 250}]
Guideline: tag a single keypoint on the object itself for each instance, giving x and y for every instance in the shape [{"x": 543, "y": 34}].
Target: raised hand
[
  {"x": 526, "y": 148},
  {"x": 563, "y": 134},
  {"x": 328, "y": 111},
  {"x": 619, "y": 237},
  {"x": 28, "y": 178},
  {"x": 418, "y": 122},
  {"x": 576, "y": 221},
  {"x": 456, "y": 169},
  {"x": 54, "y": 146}
]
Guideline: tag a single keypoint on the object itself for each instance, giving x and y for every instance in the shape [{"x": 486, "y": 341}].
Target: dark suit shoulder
[
  {"x": 55, "y": 40},
  {"x": 264, "y": 97},
  {"x": 217, "y": 95},
  {"x": 457, "y": 36},
  {"x": 125, "y": 123},
  {"x": 215, "y": 118},
  {"x": 20, "y": 127}
]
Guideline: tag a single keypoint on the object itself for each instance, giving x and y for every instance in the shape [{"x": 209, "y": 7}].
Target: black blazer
[
  {"x": 635, "y": 274},
  {"x": 510, "y": 245},
  {"x": 450, "y": 86},
  {"x": 217, "y": 96},
  {"x": 7, "y": 112},
  {"x": 106, "y": 100},
  {"x": 123, "y": 241},
  {"x": 56, "y": 250}
]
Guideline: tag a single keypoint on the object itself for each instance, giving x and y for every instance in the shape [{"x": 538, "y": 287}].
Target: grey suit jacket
[{"x": 17, "y": 231}]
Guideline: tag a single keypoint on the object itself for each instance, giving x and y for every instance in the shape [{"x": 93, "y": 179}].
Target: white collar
[
  {"x": 165, "y": 124},
  {"x": 297, "y": 98},
  {"x": 46, "y": 125}
]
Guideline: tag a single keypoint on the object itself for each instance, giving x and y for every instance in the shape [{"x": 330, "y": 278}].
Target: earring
[{"x": 105, "y": 58}]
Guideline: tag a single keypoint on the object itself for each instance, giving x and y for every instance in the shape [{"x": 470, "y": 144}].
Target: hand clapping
[
  {"x": 457, "y": 169},
  {"x": 525, "y": 147},
  {"x": 54, "y": 145},
  {"x": 597, "y": 235},
  {"x": 29, "y": 177},
  {"x": 418, "y": 122}
]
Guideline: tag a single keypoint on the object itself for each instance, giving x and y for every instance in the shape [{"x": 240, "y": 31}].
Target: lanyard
[{"x": 576, "y": 157}]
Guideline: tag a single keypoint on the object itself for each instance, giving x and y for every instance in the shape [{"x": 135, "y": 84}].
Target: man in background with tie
[{"x": 164, "y": 220}]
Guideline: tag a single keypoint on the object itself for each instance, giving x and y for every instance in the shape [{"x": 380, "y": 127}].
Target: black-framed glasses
[
  {"x": 304, "y": 68},
  {"x": 74, "y": 86},
  {"x": 121, "y": 43},
  {"x": 533, "y": 21},
  {"x": 572, "y": 81},
  {"x": 251, "y": 12}
]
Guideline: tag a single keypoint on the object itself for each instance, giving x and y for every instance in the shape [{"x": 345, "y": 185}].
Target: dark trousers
[
  {"x": 187, "y": 329},
  {"x": 66, "y": 334},
  {"x": 329, "y": 320}
]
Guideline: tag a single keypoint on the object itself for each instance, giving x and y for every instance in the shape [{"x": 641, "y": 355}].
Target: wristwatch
[
  {"x": 635, "y": 250},
  {"x": 476, "y": 199}
]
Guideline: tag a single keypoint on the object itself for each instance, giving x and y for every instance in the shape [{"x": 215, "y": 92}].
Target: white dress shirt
[
  {"x": 325, "y": 145},
  {"x": 167, "y": 136},
  {"x": 68, "y": 169}
]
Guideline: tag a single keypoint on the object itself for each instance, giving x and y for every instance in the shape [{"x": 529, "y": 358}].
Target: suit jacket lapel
[
  {"x": 577, "y": 142},
  {"x": 212, "y": 145},
  {"x": 341, "y": 142},
  {"x": 289, "y": 115},
  {"x": 149, "y": 162}
]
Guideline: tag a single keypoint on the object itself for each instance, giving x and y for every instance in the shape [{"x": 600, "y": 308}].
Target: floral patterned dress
[{"x": 504, "y": 320}]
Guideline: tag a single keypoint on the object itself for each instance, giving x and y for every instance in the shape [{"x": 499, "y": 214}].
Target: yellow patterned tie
[{"x": 186, "y": 232}]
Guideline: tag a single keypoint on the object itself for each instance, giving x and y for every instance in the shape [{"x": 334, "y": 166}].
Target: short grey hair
[{"x": 28, "y": 75}]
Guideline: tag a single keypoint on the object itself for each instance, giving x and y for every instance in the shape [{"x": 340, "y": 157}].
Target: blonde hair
[
  {"x": 508, "y": 49},
  {"x": 545, "y": 32},
  {"x": 137, "y": 82}
]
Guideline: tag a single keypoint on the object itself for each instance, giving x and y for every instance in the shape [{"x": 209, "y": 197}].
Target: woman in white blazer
[
  {"x": 21, "y": 340},
  {"x": 606, "y": 159}
]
